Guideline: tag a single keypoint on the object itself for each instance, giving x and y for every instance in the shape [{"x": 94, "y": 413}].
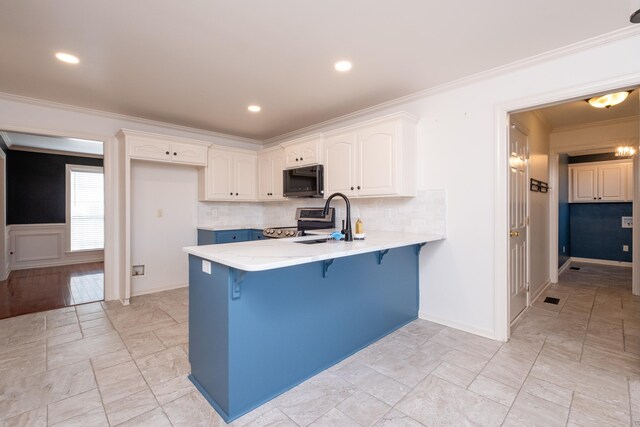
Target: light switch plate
[
  {"x": 627, "y": 222},
  {"x": 206, "y": 266}
]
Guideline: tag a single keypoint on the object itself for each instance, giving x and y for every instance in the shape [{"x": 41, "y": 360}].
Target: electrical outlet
[
  {"x": 206, "y": 266},
  {"x": 564, "y": 249},
  {"x": 137, "y": 270},
  {"x": 625, "y": 248},
  {"x": 160, "y": 213},
  {"x": 214, "y": 212}
]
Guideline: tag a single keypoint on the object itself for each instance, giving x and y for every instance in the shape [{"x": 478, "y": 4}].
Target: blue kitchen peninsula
[{"x": 266, "y": 315}]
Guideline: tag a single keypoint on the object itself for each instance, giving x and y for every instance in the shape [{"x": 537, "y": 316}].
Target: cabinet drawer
[{"x": 232, "y": 236}]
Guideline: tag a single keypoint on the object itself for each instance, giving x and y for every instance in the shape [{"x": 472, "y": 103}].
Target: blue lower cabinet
[
  {"x": 209, "y": 237},
  {"x": 255, "y": 335}
]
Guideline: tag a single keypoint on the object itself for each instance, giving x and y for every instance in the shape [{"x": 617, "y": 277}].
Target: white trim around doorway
[
  {"x": 111, "y": 223},
  {"x": 501, "y": 222}
]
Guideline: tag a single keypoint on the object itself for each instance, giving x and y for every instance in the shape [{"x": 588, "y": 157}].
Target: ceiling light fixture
[
  {"x": 67, "y": 57},
  {"x": 254, "y": 108},
  {"x": 608, "y": 100},
  {"x": 635, "y": 17},
  {"x": 342, "y": 66}
]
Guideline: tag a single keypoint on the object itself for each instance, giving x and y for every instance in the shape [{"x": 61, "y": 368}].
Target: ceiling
[
  {"x": 16, "y": 140},
  {"x": 200, "y": 63},
  {"x": 579, "y": 112}
]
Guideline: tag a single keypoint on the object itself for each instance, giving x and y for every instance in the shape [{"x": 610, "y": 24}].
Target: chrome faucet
[{"x": 348, "y": 235}]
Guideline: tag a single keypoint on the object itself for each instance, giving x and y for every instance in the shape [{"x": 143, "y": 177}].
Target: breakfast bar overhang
[{"x": 265, "y": 316}]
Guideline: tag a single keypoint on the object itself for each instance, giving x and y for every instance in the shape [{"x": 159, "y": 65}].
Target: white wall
[
  {"x": 538, "y": 138},
  {"x": 163, "y": 221}
]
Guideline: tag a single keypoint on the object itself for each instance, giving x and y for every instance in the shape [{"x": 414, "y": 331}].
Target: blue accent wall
[
  {"x": 36, "y": 186},
  {"x": 596, "y": 231},
  {"x": 564, "y": 237}
]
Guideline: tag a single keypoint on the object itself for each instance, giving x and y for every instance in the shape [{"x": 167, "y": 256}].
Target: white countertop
[
  {"x": 232, "y": 227},
  {"x": 268, "y": 254}
]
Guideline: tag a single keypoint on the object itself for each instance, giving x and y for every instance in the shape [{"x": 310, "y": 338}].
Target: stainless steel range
[{"x": 308, "y": 219}]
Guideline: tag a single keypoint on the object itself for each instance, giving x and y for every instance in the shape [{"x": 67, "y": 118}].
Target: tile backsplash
[{"x": 424, "y": 213}]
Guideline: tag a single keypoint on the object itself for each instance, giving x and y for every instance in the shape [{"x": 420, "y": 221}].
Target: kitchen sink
[{"x": 311, "y": 242}]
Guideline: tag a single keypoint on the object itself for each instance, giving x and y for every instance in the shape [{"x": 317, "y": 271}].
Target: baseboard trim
[
  {"x": 57, "y": 263},
  {"x": 153, "y": 291},
  {"x": 602, "y": 262},
  {"x": 485, "y": 333},
  {"x": 564, "y": 266},
  {"x": 542, "y": 289}
]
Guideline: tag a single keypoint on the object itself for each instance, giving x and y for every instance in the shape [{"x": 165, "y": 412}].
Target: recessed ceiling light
[
  {"x": 342, "y": 66},
  {"x": 67, "y": 57},
  {"x": 254, "y": 108}
]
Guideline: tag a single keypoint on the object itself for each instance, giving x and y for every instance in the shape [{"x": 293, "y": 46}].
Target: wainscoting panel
[{"x": 44, "y": 245}]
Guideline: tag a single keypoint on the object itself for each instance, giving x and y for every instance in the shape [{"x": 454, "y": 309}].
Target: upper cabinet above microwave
[{"x": 304, "y": 151}]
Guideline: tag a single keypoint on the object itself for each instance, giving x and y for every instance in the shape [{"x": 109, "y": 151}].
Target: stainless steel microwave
[{"x": 306, "y": 181}]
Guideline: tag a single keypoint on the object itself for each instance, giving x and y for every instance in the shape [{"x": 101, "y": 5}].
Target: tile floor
[{"x": 577, "y": 363}]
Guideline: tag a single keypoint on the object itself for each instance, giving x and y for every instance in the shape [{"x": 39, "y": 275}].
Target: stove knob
[
  {"x": 289, "y": 233},
  {"x": 279, "y": 232},
  {"x": 268, "y": 231}
]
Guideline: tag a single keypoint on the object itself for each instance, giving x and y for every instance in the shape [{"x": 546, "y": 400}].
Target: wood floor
[{"x": 42, "y": 289}]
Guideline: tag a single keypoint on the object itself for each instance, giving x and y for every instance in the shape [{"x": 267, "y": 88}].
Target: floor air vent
[
  {"x": 574, "y": 268},
  {"x": 552, "y": 300}
]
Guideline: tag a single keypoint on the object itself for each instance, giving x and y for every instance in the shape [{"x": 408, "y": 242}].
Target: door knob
[{"x": 513, "y": 234}]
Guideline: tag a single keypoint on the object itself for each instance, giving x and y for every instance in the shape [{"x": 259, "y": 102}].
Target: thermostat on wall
[{"x": 627, "y": 222}]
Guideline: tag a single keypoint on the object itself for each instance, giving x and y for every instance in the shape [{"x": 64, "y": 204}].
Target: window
[{"x": 85, "y": 207}]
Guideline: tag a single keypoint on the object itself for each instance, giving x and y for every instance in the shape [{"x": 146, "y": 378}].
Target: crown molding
[
  {"x": 618, "y": 121},
  {"x": 56, "y": 152},
  {"x": 110, "y": 115},
  {"x": 6, "y": 138},
  {"x": 583, "y": 45},
  {"x": 543, "y": 119}
]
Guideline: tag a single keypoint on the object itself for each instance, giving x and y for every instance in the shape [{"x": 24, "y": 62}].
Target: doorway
[
  {"x": 54, "y": 203},
  {"x": 597, "y": 191}
]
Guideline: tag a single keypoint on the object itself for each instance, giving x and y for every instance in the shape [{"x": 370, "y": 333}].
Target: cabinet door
[
  {"x": 611, "y": 182},
  {"x": 377, "y": 173},
  {"x": 584, "y": 184},
  {"x": 244, "y": 172},
  {"x": 265, "y": 176},
  {"x": 292, "y": 155},
  {"x": 149, "y": 149},
  {"x": 340, "y": 164},
  {"x": 219, "y": 175},
  {"x": 190, "y": 154},
  {"x": 277, "y": 166},
  {"x": 308, "y": 153}
]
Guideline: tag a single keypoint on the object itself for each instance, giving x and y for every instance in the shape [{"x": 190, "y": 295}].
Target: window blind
[{"x": 86, "y": 210}]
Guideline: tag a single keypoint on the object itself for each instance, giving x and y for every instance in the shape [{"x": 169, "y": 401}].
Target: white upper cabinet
[
  {"x": 271, "y": 163},
  {"x": 230, "y": 175},
  {"x": 340, "y": 163},
  {"x": 162, "y": 148},
  {"x": 373, "y": 159},
  {"x": 596, "y": 182},
  {"x": 303, "y": 151}
]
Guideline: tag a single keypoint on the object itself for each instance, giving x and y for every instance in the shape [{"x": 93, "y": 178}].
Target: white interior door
[{"x": 518, "y": 275}]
